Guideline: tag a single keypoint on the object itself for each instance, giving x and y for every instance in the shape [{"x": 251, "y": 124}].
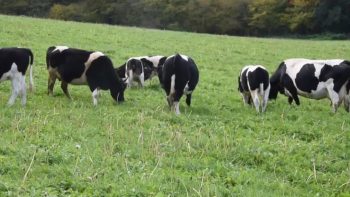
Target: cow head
[{"x": 120, "y": 71}]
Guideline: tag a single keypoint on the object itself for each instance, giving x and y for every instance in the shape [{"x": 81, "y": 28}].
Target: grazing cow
[
  {"x": 80, "y": 67},
  {"x": 315, "y": 79},
  {"x": 254, "y": 83},
  {"x": 179, "y": 75},
  {"x": 140, "y": 69},
  {"x": 13, "y": 66}
]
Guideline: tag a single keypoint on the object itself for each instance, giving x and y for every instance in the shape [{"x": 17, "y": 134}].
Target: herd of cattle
[{"x": 178, "y": 75}]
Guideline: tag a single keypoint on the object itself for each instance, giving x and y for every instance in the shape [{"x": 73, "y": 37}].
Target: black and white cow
[
  {"x": 80, "y": 67},
  {"x": 140, "y": 69},
  {"x": 254, "y": 84},
  {"x": 315, "y": 79},
  {"x": 179, "y": 75},
  {"x": 13, "y": 66}
]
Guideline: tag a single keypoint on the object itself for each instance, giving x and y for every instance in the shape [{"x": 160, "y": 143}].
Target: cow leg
[
  {"x": 290, "y": 100},
  {"x": 64, "y": 87},
  {"x": 23, "y": 91},
  {"x": 347, "y": 103},
  {"x": 16, "y": 89},
  {"x": 142, "y": 79},
  {"x": 265, "y": 99},
  {"x": 289, "y": 85},
  {"x": 188, "y": 93},
  {"x": 95, "y": 95},
  {"x": 334, "y": 96},
  {"x": 130, "y": 78},
  {"x": 171, "y": 91},
  {"x": 170, "y": 99},
  {"x": 51, "y": 83},
  {"x": 255, "y": 97},
  {"x": 188, "y": 99},
  {"x": 246, "y": 98},
  {"x": 178, "y": 94}
]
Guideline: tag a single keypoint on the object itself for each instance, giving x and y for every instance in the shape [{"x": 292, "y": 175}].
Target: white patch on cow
[
  {"x": 296, "y": 61},
  {"x": 82, "y": 79},
  {"x": 60, "y": 48},
  {"x": 155, "y": 60},
  {"x": 18, "y": 84},
  {"x": 95, "y": 95},
  {"x": 93, "y": 56},
  {"x": 172, "y": 84},
  {"x": 137, "y": 58},
  {"x": 184, "y": 57}
]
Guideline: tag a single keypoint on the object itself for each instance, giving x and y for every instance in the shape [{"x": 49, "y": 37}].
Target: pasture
[{"x": 218, "y": 147}]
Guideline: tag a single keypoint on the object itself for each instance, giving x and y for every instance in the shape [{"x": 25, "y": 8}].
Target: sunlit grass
[{"x": 217, "y": 147}]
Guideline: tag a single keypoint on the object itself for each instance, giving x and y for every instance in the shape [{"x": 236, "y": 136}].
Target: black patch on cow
[
  {"x": 160, "y": 74},
  {"x": 148, "y": 68},
  {"x": 340, "y": 74},
  {"x": 161, "y": 61},
  {"x": 305, "y": 79},
  {"x": 120, "y": 71},
  {"x": 276, "y": 81},
  {"x": 287, "y": 83},
  {"x": 22, "y": 57},
  {"x": 325, "y": 71},
  {"x": 257, "y": 77}
]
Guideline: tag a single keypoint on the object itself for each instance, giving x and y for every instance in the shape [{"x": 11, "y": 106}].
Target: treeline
[{"x": 234, "y": 17}]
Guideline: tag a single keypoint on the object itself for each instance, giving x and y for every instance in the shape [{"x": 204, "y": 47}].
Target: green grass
[{"x": 218, "y": 147}]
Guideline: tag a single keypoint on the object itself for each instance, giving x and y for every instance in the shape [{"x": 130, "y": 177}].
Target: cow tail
[
  {"x": 261, "y": 89},
  {"x": 31, "y": 80}
]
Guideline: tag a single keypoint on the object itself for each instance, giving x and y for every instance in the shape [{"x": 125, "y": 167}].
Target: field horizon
[{"x": 217, "y": 147}]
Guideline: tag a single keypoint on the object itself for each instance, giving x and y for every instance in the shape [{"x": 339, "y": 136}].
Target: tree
[{"x": 266, "y": 16}]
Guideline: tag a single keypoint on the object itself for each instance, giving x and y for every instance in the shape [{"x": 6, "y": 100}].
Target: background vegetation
[
  {"x": 218, "y": 147},
  {"x": 235, "y": 17}
]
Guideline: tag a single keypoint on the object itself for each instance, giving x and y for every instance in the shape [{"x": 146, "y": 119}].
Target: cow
[
  {"x": 254, "y": 84},
  {"x": 13, "y": 66},
  {"x": 81, "y": 67},
  {"x": 315, "y": 79},
  {"x": 178, "y": 75},
  {"x": 140, "y": 69}
]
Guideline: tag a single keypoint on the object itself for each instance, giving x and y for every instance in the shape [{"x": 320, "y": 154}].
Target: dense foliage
[{"x": 239, "y": 17}]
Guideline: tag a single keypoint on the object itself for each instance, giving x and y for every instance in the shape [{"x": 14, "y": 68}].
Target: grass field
[{"x": 218, "y": 147}]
